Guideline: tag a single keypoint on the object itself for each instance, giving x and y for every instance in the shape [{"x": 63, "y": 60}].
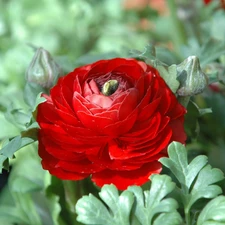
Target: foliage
[
  {"x": 160, "y": 204},
  {"x": 79, "y": 32}
]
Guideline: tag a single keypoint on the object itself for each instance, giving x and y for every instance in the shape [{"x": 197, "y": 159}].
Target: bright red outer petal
[
  {"x": 58, "y": 100},
  {"x": 149, "y": 110},
  {"x": 47, "y": 113},
  {"x": 207, "y": 1},
  {"x": 83, "y": 166},
  {"x": 104, "y": 66},
  {"x": 66, "y": 175},
  {"x": 101, "y": 157},
  {"x": 142, "y": 129},
  {"x": 135, "y": 71},
  {"x": 123, "y": 179},
  {"x": 50, "y": 163},
  {"x": 149, "y": 148},
  {"x": 128, "y": 104},
  {"x": 178, "y": 130},
  {"x": 67, "y": 118},
  {"x": 121, "y": 127}
]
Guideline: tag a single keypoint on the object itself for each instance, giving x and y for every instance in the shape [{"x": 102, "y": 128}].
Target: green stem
[
  {"x": 186, "y": 201},
  {"x": 70, "y": 194},
  {"x": 184, "y": 100},
  {"x": 73, "y": 192},
  {"x": 187, "y": 217},
  {"x": 178, "y": 32}
]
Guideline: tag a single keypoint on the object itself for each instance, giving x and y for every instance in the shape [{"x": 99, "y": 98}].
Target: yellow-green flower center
[{"x": 109, "y": 87}]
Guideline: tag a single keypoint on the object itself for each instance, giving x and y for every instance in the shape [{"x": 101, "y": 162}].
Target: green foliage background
[{"x": 78, "y": 32}]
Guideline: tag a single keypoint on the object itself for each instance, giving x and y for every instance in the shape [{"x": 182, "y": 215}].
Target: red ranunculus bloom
[
  {"x": 207, "y": 1},
  {"x": 112, "y": 119},
  {"x": 222, "y": 2}
]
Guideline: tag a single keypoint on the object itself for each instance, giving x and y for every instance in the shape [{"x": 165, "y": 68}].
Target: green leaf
[
  {"x": 171, "y": 218},
  {"x": 151, "y": 207},
  {"x": 31, "y": 91},
  {"x": 55, "y": 194},
  {"x": 211, "y": 51},
  {"x": 30, "y": 181},
  {"x": 178, "y": 164},
  {"x": 213, "y": 212},
  {"x": 191, "y": 120},
  {"x": 88, "y": 58},
  {"x": 192, "y": 127},
  {"x": 148, "y": 53},
  {"x": 29, "y": 198},
  {"x": 203, "y": 187},
  {"x": 38, "y": 100},
  {"x": 11, "y": 215},
  {"x": 166, "y": 55},
  {"x": 90, "y": 210},
  {"x": 9, "y": 149},
  {"x": 4, "y": 163},
  {"x": 14, "y": 145},
  {"x": 17, "y": 117},
  {"x": 197, "y": 178},
  {"x": 169, "y": 74},
  {"x": 26, "y": 206},
  {"x": 54, "y": 208}
]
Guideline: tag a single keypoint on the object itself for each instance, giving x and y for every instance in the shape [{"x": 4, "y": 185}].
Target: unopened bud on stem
[
  {"x": 192, "y": 79},
  {"x": 43, "y": 70}
]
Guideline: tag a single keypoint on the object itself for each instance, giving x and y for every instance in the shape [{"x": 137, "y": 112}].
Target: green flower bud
[
  {"x": 43, "y": 70},
  {"x": 192, "y": 79}
]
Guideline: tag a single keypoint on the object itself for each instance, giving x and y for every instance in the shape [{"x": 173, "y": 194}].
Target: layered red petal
[{"x": 116, "y": 138}]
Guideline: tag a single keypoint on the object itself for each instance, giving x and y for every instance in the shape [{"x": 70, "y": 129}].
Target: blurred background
[
  {"x": 73, "y": 31},
  {"x": 78, "y": 32}
]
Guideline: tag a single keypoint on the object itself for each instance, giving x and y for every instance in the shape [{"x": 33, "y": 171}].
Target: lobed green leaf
[
  {"x": 211, "y": 50},
  {"x": 213, "y": 213},
  {"x": 9, "y": 149},
  {"x": 197, "y": 179},
  {"x": 91, "y": 210},
  {"x": 149, "y": 207},
  {"x": 152, "y": 203}
]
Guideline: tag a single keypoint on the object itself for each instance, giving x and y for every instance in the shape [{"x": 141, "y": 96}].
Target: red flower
[
  {"x": 116, "y": 136},
  {"x": 207, "y": 1},
  {"x": 222, "y": 2}
]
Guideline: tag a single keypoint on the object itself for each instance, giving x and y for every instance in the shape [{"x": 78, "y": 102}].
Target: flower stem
[
  {"x": 187, "y": 217},
  {"x": 184, "y": 100},
  {"x": 72, "y": 192}
]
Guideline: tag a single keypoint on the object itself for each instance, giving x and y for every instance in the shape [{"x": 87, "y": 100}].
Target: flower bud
[
  {"x": 192, "y": 79},
  {"x": 43, "y": 70}
]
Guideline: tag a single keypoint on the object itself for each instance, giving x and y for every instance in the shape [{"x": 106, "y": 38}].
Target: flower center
[{"x": 109, "y": 87}]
